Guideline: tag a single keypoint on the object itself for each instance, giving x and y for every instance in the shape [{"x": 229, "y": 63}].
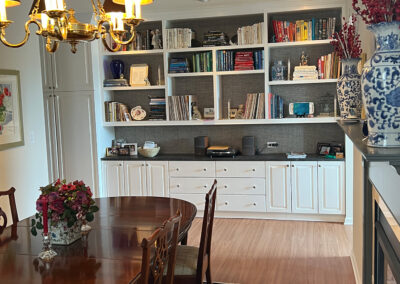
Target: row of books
[
  {"x": 179, "y": 65},
  {"x": 157, "y": 108},
  {"x": 233, "y": 60},
  {"x": 178, "y": 38},
  {"x": 314, "y": 29},
  {"x": 143, "y": 41},
  {"x": 255, "y": 106},
  {"x": 202, "y": 62},
  {"x": 115, "y": 111},
  {"x": 215, "y": 38},
  {"x": 250, "y": 34},
  {"x": 329, "y": 66},
  {"x": 181, "y": 107},
  {"x": 275, "y": 104}
]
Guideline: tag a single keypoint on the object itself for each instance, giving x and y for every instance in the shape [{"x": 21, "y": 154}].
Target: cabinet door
[
  {"x": 76, "y": 136},
  {"x": 135, "y": 178},
  {"x": 73, "y": 72},
  {"x": 304, "y": 187},
  {"x": 157, "y": 178},
  {"x": 331, "y": 187},
  {"x": 113, "y": 178},
  {"x": 278, "y": 187}
]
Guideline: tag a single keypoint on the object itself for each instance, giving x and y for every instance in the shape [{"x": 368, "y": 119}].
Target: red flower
[
  {"x": 347, "y": 42},
  {"x": 6, "y": 92},
  {"x": 377, "y": 11}
]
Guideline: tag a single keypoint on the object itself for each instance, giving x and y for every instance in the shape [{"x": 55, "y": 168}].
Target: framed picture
[
  {"x": 132, "y": 148},
  {"x": 209, "y": 112},
  {"x": 11, "y": 128},
  {"x": 139, "y": 75},
  {"x": 323, "y": 148}
]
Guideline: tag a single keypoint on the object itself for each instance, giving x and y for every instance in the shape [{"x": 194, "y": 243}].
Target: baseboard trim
[
  {"x": 355, "y": 269},
  {"x": 348, "y": 221}
]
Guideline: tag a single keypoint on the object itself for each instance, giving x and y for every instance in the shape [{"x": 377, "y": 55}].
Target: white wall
[{"x": 25, "y": 167}]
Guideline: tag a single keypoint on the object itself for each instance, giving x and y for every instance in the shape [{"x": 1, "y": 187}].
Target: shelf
[
  {"x": 248, "y": 46},
  {"x": 224, "y": 122},
  {"x": 190, "y": 74},
  {"x": 190, "y": 49},
  {"x": 299, "y": 43},
  {"x": 211, "y": 48},
  {"x": 135, "y": 52},
  {"x": 301, "y": 82},
  {"x": 243, "y": 72},
  {"x": 161, "y": 87}
]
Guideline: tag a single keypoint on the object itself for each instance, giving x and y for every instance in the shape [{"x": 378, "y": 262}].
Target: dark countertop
[
  {"x": 372, "y": 154},
  {"x": 191, "y": 157}
]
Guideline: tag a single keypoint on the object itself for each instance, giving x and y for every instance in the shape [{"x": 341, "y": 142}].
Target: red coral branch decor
[
  {"x": 347, "y": 42},
  {"x": 377, "y": 11}
]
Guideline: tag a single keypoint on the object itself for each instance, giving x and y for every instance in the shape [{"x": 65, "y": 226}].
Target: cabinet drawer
[
  {"x": 191, "y": 169},
  {"x": 249, "y": 203},
  {"x": 190, "y": 185},
  {"x": 240, "y": 169},
  {"x": 197, "y": 199},
  {"x": 250, "y": 186}
]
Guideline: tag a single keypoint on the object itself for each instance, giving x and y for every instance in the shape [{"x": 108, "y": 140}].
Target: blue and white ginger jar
[{"x": 380, "y": 83}]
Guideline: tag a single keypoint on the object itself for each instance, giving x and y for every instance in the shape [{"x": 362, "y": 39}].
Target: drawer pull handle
[
  {"x": 178, "y": 186},
  {"x": 177, "y": 169},
  {"x": 287, "y": 165},
  {"x": 292, "y": 166},
  {"x": 226, "y": 203},
  {"x": 254, "y": 187},
  {"x": 225, "y": 170},
  {"x": 254, "y": 204},
  {"x": 204, "y": 169},
  {"x": 254, "y": 170},
  {"x": 142, "y": 165},
  {"x": 205, "y": 186},
  {"x": 319, "y": 166},
  {"x": 225, "y": 186}
]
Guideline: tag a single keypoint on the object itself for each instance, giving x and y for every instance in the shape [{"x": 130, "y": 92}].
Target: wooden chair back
[
  {"x": 13, "y": 208},
  {"x": 162, "y": 243},
  {"x": 203, "y": 261}
]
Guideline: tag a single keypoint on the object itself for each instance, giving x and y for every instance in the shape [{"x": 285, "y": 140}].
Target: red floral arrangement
[
  {"x": 63, "y": 202},
  {"x": 377, "y": 11},
  {"x": 347, "y": 42}
]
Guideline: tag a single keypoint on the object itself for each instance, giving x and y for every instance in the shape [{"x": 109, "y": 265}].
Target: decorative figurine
[
  {"x": 240, "y": 112},
  {"x": 156, "y": 40},
  {"x": 117, "y": 69},
  {"x": 196, "y": 113},
  {"x": 279, "y": 71},
  {"x": 303, "y": 59}
]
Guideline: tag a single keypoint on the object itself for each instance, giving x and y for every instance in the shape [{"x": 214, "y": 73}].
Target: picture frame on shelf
[
  {"x": 11, "y": 124},
  {"x": 139, "y": 75},
  {"x": 132, "y": 147},
  {"x": 209, "y": 113},
  {"x": 323, "y": 148}
]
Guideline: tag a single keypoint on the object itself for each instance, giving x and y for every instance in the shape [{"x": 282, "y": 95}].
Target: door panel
[
  {"x": 113, "y": 178},
  {"x": 157, "y": 178},
  {"x": 331, "y": 188},
  {"x": 278, "y": 187},
  {"x": 304, "y": 187},
  {"x": 135, "y": 178}
]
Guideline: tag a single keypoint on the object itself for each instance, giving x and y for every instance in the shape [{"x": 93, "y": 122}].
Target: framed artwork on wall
[{"x": 11, "y": 128}]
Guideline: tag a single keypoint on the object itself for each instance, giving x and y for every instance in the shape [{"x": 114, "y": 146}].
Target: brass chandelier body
[{"x": 60, "y": 25}]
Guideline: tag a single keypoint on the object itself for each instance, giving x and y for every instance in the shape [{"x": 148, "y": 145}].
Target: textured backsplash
[{"x": 180, "y": 139}]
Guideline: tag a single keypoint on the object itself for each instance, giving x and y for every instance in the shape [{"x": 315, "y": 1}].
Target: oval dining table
[{"x": 111, "y": 252}]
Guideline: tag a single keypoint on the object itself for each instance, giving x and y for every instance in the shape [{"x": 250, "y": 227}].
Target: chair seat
[{"x": 186, "y": 260}]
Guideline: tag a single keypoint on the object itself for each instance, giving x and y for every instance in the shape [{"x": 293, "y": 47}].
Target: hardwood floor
[{"x": 278, "y": 252}]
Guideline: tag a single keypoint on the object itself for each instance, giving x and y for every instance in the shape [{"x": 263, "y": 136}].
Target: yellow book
[
  {"x": 301, "y": 30},
  {"x": 305, "y": 31}
]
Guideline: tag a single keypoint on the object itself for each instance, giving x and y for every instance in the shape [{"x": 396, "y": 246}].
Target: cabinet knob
[
  {"x": 204, "y": 169},
  {"x": 120, "y": 165},
  {"x": 226, "y": 203},
  {"x": 292, "y": 166},
  {"x": 254, "y": 187},
  {"x": 319, "y": 165},
  {"x": 142, "y": 165},
  {"x": 177, "y": 169},
  {"x": 255, "y": 204},
  {"x": 178, "y": 186},
  {"x": 205, "y": 186},
  {"x": 287, "y": 166},
  {"x": 225, "y": 186},
  {"x": 147, "y": 165},
  {"x": 225, "y": 170},
  {"x": 254, "y": 170}
]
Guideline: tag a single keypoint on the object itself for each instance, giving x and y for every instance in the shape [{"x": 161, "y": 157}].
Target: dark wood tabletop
[{"x": 110, "y": 254}]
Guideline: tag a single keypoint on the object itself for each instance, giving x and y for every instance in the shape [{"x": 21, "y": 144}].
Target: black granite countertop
[
  {"x": 191, "y": 157},
  {"x": 372, "y": 154}
]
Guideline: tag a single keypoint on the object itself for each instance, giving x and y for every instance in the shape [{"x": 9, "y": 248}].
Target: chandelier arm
[
  {"x": 116, "y": 37},
  {"x": 52, "y": 46},
  {"x": 117, "y": 47},
  {"x": 27, "y": 34}
]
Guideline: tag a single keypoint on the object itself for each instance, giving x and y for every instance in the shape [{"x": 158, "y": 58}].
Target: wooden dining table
[{"x": 111, "y": 252}]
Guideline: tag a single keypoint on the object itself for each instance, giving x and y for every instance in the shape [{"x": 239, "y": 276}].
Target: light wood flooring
[{"x": 278, "y": 252}]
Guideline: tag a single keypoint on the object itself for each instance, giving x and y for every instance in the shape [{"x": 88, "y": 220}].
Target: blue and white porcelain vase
[
  {"x": 349, "y": 89},
  {"x": 380, "y": 83}
]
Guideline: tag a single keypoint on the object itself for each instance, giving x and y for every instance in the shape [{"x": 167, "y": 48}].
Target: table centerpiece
[{"x": 67, "y": 208}]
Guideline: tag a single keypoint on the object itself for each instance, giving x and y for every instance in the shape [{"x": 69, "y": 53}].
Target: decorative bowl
[{"x": 149, "y": 153}]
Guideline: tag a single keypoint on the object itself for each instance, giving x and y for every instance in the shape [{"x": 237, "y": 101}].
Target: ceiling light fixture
[{"x": 57, "y": 24}]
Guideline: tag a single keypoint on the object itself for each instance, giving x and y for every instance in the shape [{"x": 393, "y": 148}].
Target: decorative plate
[{"x": 138, "y": 113}]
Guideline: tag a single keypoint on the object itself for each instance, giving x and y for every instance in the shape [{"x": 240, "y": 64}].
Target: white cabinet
[
  {"x": 240, "y": 169},
  {"x": 304, "y": 187},
  {"x": 135, "y": 178},
  {"x": 191, "y": 169},
  {"x": 331, "y": 187},
  {"x": 113, "y": 178},
  {"x": 244, "y": 203},
  {"x": 278, "y": 187}
]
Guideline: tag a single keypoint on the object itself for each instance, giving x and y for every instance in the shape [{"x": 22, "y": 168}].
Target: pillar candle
[{"x": 45, "y": 220}]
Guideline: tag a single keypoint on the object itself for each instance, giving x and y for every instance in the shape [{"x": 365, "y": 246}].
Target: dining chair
[
  {"x": 13, "y": 208},
  {"x": 159, "y": 250},
  {"x": 193, "y": 262}
]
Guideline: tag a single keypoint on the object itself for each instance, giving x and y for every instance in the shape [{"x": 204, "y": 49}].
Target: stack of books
[
  {"x": 250, "y": 34},
  {"x": 275, "y": 104},
  {"x": 311, "y": 29},
  {"x": 157, "y": 108},
  {"x": 115, "y": 83},
  {"x": 115, "y": 111},
  {"x": 255, "y": 106},
  {"x": 178, "y": 38},
  {"x": 202, "y": 62},
  {"x": 329, "y": 66},
  {"x": 179, "y": 65},
  {"x": 215, "y": 38},
  {"x": 305, "y": 73},
  {"x": 244, "y": 60},
  {"x": 181, "y": 107}
]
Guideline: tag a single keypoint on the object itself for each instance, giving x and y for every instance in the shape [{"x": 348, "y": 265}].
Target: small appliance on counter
[
  {"x": 248, "y": 146},
  {"x": 221, "y": 151},
  {"x": 200, "y": 145}
]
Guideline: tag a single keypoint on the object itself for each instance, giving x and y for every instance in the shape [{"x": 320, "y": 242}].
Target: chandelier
[{"x": 57, "y": 24}]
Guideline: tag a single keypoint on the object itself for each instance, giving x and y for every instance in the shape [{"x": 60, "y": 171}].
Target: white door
[
  {"x": 135, "y": 178},
  {"x": 76, "y": 136},
  {"x": 73, "y": 72},
  {"x": 278, "y": 187},
  {"x": 113, "y": 178},
  {"x": 304, "y": 187},
  {"x": 331, "y": 187},
  {"x": 157, "y": 178}
]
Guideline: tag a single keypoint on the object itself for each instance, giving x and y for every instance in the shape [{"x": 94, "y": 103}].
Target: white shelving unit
[{"x": 218, "y": 77}]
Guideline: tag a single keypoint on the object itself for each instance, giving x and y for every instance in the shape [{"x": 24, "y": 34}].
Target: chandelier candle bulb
[
  {"x": 116, "y": 20},
  {"x": 3, "y": 14},
  {"x": 44, "y": 20},
  {"x": 54, "y": 5},
  {"x": 129, "y": 9},
  {"x": 138, "y": 9}
]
